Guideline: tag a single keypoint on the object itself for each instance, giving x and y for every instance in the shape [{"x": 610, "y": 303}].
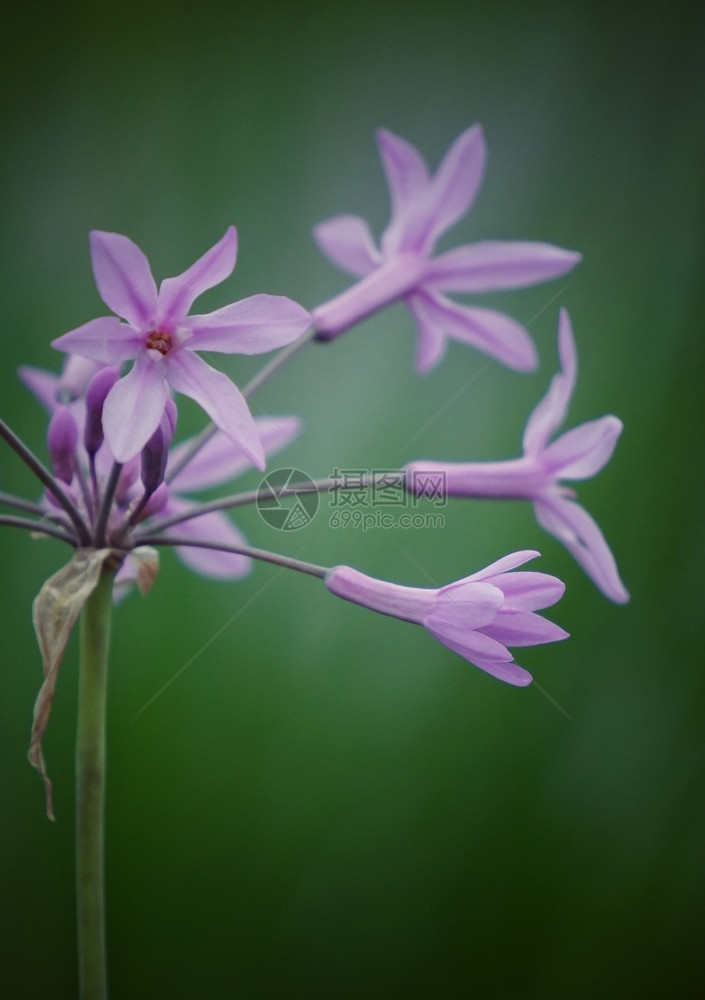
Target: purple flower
[
  {"x": 162, "y": 339},
  {"x": 578, "y": 454},
  {"x": 423, "y": 208},
  {"x": 477, "y": 617}
]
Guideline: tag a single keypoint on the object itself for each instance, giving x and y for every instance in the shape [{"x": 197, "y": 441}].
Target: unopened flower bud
[
  {"x": 155, "y": 453},
  {"x": 62, "y": 439},
  {"x": 96, "y": 391}
]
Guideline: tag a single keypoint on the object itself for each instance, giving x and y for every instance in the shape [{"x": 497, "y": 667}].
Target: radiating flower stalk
[{"x": 117, "y": 488}]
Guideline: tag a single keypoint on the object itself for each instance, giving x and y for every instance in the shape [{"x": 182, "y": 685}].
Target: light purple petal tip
[
  {"x": 124, "y": 278},
  {"x": 480, "y": 650},
  {"x": 550, "y": 412},
  {"x": 505, "y": 564},
  {"x": 518, "y": 628},
  {"x": 468, "y": 642},
  {"x": 584, "y": 450},
  {"x": 439, "y": 203},
  {"x": 528, "y": 590},
  {"x": 457, "y": 181},
  {"x": 575, "y": 528},
  {"x": 176, "y": 295},
  {"x": 404, "y": 168},
  {"x": 220, "y": 398},
  {"x": 41, "y": 384},
  {"x": 347, "y": 241}
]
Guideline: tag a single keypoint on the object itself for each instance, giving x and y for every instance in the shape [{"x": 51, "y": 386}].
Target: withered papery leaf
[
  {"x": 54, "y": 613},
  {"x": 146, "y": 560}
]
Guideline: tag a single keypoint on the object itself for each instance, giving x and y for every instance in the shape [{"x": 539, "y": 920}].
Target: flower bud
[
  {"x": 96, "y": 391},
  {"x": 155, "y": 453},
  {"x": 62, "y": 439}
]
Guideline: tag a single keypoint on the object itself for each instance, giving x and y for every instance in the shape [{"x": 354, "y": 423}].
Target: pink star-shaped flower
[
  {"x": 162, "y": 338},
  {"x": 423, "y": 208},
  {"x": 578, "y": 454},
  {"x": 477, "y": 617}
]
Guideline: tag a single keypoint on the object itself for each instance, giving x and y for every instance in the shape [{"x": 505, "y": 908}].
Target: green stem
[{"x": 90, "y": 790}]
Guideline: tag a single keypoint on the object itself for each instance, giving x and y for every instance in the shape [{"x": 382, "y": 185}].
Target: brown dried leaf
[
  {"x": 147, "y": 562},
  {"x": 54, "y": 612}
]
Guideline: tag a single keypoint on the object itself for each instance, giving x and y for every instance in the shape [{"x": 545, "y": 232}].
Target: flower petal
[
  {"x": 134, "y": 407},
  {"x": 492, "y": 265},
  {"x": 504, "y": 564},
  {"x": 446, "y": 198},
  {"x": 574, "y": 527},
  {"x": 220, "y": 459},
  {"x": 251, "y": 326},
  {"x": 437, "y": 204},
  {"x": 458, "y": 178},
  {"x": 124, "y": 278},
  {"x": 176, "y": 295},
  {"x": 106, "y": 340},
  {"x": 528, "y": 591},
  {"x": 550, "y": 413},
  {"x": 404, "y": 168},
  {"x": 348, "y": 242},
  {"x": 41, "y": 384},
  {"x": 214, "y": 527},
  {"x": 584, "y": 450},
  {"x": 482, "y": 651},
  {"x": 489, "y": 331},
  {"x": 510, "y": 673},
  {"x": 219, "y": 397},
  {"x": 467, "y": 604},
  {"x": 466, "y": 641},
  {"x": 517, "y": 628},
  {"x": 432, "y": 340}
]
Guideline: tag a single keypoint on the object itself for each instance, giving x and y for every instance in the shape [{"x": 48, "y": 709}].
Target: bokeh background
[{"x": 325, "y": 802}]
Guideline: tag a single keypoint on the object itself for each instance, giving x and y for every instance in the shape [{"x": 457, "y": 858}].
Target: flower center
[{"x": 158, "y": 340}]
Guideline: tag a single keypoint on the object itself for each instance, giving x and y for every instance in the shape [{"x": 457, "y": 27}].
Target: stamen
[{"x": 159, "y": 340}]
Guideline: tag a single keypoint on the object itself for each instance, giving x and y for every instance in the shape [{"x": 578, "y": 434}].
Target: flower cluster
[
  {"x": 119, "y": 488},
  {"x": 157, "y": 482}
]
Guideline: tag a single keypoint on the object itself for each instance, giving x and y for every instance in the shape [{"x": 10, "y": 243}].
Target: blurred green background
[{"x": 325, "y": 802}]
